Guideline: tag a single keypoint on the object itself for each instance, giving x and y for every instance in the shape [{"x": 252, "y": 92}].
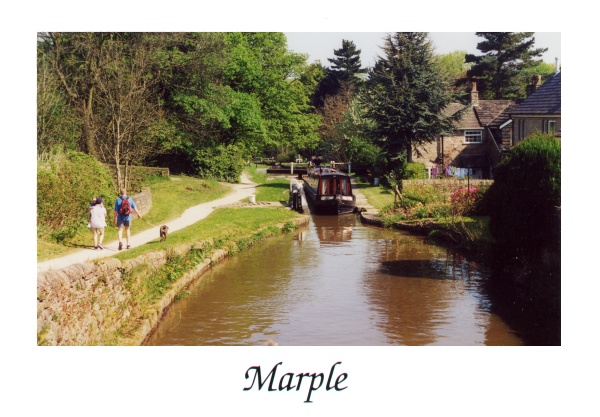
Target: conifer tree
[
  {"x": 406, "y": 93},
  {"x": 500, "y": 70},
  {"x": 345, "y": 70},
  {"x": 346, "y": 66}
]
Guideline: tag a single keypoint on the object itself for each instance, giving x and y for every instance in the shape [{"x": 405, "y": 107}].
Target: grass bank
[
  {"x": 171, "y": 196},
  {"x": 269, "y": 188}
]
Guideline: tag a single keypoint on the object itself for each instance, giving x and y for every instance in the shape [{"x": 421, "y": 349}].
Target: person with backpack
[
  {"x": 124, "y": 205},
  {"x": 98, "y": 222}
]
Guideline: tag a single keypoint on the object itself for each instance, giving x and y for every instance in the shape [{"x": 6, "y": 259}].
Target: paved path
[{"x": 189, "y": 217}]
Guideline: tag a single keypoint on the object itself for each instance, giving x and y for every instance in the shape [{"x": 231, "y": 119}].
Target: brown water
[{"x": 338, "y": 283}]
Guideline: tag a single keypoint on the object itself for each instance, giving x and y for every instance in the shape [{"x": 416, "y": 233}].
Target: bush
[
  {"x": 464, "y": 201},
  {"x": 223, "y": 163},
  {"x": 66, "y": 183},
  {"x": 415, "y": 171},
  {"x": 524, "y": 198}
]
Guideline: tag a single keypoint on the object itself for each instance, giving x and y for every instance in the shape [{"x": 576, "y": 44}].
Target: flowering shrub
[{"x": 464, "y": 201}]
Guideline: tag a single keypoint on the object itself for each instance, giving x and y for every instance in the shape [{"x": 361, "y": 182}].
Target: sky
[{"x": 320, "y": 45}]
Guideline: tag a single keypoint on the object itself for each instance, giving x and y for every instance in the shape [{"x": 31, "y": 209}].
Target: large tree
[
  {"x": 405, "y": 95},
  {"x": 499, "y": 71},
  {"x": 346, "y": 66},
  {"x": 277, "y": 83},
  {"x": 345, "y": 70}
]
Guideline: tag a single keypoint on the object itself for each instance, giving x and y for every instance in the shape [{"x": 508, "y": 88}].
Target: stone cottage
[{"x": 482, "y": 134}]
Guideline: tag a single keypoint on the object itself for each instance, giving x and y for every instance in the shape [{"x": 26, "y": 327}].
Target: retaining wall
[{"x": 143, "y": 201}]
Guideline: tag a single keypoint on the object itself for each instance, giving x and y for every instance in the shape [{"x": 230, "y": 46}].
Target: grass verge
[
  {"x": 269, "y": 188},
  {"x": 170, "y": 198}
]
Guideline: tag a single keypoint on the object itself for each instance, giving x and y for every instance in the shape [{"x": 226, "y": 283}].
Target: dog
[{"x": 164, "y": 229}]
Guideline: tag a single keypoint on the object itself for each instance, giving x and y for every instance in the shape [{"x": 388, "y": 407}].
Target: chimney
[
  {"x": 474, "y": 94},
  {"x": 536, "y": 81},
  {"x": 556, "y": 69}
]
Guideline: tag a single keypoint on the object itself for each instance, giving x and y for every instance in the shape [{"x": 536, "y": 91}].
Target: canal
[{"x": 337, "y": 282}]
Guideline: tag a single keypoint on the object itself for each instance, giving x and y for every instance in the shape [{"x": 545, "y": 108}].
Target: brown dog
[{"x": 164, "y": 229}]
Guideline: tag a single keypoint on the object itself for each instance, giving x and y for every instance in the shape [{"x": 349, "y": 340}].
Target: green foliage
[
  {"x": 200, "y": 90},
  {"x": 277, "y": 84},
  {"x": 66, "y": 183},
  {"x": 345, "y": 71},
  {"x": 524, "y": 198},
  {"x": 405, "y": 94},
  {"x": 415, "y": 171},
  {"x": 346, "y": 64},
  {"x": 453, "y": 64},
  {"x": 222, "y": 163},
  {"x": 499, "y": 71}
]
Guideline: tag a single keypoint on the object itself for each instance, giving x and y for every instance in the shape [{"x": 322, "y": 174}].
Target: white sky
[{"x": 320, "y": 45}]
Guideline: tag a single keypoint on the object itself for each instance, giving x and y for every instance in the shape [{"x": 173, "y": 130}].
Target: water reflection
[
  {"x": 339, "y": 283},
  {"x": 332, "y": 229}
]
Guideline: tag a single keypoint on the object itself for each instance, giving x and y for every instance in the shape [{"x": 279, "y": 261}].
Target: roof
[
  {"x": 493, "y": 113},
  {"x": 488, "y": 113},
  {"x": 545, "y": 100}
]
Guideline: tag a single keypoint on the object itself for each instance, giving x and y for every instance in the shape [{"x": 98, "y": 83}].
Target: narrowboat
[{"x": 328, "y": 191}]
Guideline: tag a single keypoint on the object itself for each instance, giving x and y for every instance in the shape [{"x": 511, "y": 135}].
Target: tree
[
  {"x": 278, "y": 81},
  {"x": 405, "y": 95},
  {"x": 499, "y": 71},
  {"x": 78, "y": 59},
  {"x": 127, "y": 115},
  {"x": 333, "y": 113},
  {"x": 453, "y": 63},
  {"x": 346, "y": 70},
  {"x": 346, "y": 66},
  {"x": 57, "y": 125}
]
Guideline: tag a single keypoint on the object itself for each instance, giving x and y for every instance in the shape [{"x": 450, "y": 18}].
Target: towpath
[{"x": 189, "y": 217}]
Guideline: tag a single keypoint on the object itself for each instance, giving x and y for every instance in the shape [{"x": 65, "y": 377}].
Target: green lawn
[{"x": 269, "y": 188}]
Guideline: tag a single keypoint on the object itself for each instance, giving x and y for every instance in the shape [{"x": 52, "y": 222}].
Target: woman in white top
[{"x": 98, "y": 222}]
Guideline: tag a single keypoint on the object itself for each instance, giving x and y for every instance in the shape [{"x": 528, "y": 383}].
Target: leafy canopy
[{"x": 505, "y": 56}]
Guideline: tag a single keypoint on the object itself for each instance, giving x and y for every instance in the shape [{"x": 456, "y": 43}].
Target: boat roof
[{"x": 326, "y": 171}]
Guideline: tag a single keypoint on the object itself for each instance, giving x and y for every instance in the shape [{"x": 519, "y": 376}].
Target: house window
[
  {"x": 550, "y": 126},
  {"x": 473, "y": 136}
]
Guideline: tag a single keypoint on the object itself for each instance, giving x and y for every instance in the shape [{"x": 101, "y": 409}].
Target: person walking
[
  {"x": 124, "y": 205},
  {"x": 98, "y": 222}
]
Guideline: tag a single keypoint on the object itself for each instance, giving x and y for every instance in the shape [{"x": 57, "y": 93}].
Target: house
[
  {"x": 482, "y": 134},
  {"x": 540, "y": 111}
]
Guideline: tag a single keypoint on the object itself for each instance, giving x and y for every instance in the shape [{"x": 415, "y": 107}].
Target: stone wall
[
  {"x": 85, "y": 303},
  {"x": 448, "y": 184},
  {"x": 143, "y": 201}
]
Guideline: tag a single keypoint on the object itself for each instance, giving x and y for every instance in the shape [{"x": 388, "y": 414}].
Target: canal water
[{"x": 338, "y": 282}]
